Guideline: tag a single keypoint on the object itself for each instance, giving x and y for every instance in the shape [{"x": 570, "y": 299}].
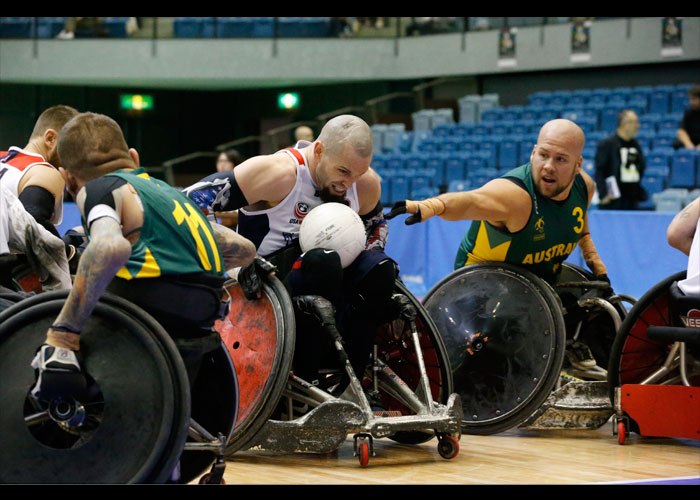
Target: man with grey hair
[
  {"x": 273, "y": 193},
  {"x": 620, "y": 166}
]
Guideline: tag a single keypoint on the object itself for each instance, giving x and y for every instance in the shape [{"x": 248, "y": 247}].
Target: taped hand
[{"x": 403, "y": 207}]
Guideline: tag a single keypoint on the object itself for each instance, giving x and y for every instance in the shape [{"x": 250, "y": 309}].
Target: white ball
[{"x": 334, "y": 226}]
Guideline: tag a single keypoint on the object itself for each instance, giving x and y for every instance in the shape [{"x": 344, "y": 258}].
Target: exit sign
[
  {"x": 137, "y": 102},
  {"x": 288, "y": 100}
]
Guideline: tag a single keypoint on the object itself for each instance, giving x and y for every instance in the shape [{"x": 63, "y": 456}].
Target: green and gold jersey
[
  {"x": 549, "y": 237},
  {"x": 175, "y": 237}
]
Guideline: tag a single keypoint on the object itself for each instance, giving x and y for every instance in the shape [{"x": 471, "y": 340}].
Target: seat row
[
  {"x": 49, "y": 27},
  {"x": 251, "y": 27}
]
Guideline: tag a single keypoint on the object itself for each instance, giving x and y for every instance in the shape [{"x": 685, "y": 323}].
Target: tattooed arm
[
  {"x": 107, "y": 252},
  {"x": 683, "y": 226},
  {"x": 236, "y": 250}
]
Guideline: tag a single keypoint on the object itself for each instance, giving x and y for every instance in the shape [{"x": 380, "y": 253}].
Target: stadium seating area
[
  {"x": 49, "y": 27},
  {"x": 443, "y": 154}
]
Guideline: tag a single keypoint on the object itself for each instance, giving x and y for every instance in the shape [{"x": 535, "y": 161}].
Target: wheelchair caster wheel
[
  {"x": 363, "y": 453},
  {"x": 448, "y": 447},
  {"x": 363, "y": 448},
  {"x": 210, "y": 479},
  {"x": 621, "y": 432}
]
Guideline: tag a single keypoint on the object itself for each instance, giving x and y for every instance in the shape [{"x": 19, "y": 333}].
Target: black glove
[
  {"x": 59, "y": 374},
  {"x": 400, "y": 208},
  {"x": 249, "y": 277}
]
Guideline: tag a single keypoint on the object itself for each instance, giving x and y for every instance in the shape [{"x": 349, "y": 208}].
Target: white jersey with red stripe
[
  {"x": 275, "y": 228},
  {"x": 16, "y": 162},
  {"x": 4, "y": 225}
]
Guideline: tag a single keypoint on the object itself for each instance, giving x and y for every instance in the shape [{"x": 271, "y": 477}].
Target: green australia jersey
[
  {"x": 549, "y": 237},
  {"x": 175, "y": 237}
]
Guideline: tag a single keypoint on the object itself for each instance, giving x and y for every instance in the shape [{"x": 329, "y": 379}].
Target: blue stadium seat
[
  {"x": 491, "y": 115},
  {"x": 508, "y": 154},
  {"x": 314, "y": 27},
  {"x": 541, "y": 98},
  {"x": 400, "y": 188},
  {"x": 16, "y": 27},
  {"x": 378, "y": 162},
  {"x": 652, "y": 184},
  {"x": 436, "y": 163},
  {"x": 455, "y": 168},
  {"x": 659, "y": 161},
  {"x": 459, "y": 185},
  {"x": 659, "y": 101},
  {"x": 468, "y": 144},
  {"x": 684, "y": 169},
  {"x": 530, "y": 114},
  {"x": 670, "y": 199},
  {"x": 462, "y": 129},
  {"x": 421, "y": 179},
  {"x": 386, "y": 191},
  {"x": 187, "y": 27},
  {"x": 589, "y": 166},
  {"x": 116, "y": 26},
  {"x": 404, "y": 142},
  {"x": 234, "y": 27},
  {"x": 422, "y": 193},
  {"x": 263, "y": 27},
  {"x": 395, "y": 161},
  {"x": 661, "y": 142},
  {"x": 419, "y": 136},
  {"x": 392, "y": 137},
  {"x": 608, "y": 118},
  {"x": 49, "y": 27},
  {"x": 474, "y": 163},
  {"x": 480, "y": 177},
  {"x": 443, "y": 129},
  {"x": 415, "y": 161}
]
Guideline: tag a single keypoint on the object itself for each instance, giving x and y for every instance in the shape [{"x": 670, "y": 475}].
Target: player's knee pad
[
  {"x": 317, "y": 272},
  {"x": 372, "y": 294}
]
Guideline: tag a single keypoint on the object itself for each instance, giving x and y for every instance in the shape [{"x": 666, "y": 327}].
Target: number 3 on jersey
[
  {"x": 578, "y": 213},
  {"x": 195, "y": 223}
]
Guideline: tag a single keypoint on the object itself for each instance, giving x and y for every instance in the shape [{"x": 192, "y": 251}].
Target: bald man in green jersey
[{"x": 533, "y": 216}]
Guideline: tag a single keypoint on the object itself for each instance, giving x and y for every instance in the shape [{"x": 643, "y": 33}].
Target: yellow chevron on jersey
[{"x": 489, "y": 246}]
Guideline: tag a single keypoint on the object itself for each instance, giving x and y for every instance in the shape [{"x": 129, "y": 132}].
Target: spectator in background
[
  {"x": 303, "y": 133},
  {"x": 620, "y": 165},
  {"x": 83, "y": 27},
  {"x": 227, "y": 160},
  {"x": 340, "y": 27},
  {"x": 689, "y": 129}
]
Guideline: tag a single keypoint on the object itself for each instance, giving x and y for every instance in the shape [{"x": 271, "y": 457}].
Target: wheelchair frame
[{"x": 332, "y": 418}]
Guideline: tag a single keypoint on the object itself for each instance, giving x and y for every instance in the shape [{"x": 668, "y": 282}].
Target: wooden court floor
[{"x": 515, "y": 457}]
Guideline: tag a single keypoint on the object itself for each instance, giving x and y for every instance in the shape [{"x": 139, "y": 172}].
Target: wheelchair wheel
[
  {"x": 134, "y": 427},
  {"x": 397, "y": 350},
  {"x": 634, "y": 356},
  {"x": 504, "y": 333},
  {"x": 259, "y": 336},
  {"x": 597, "y": 328},
  {"x": 214, "y": 397}
]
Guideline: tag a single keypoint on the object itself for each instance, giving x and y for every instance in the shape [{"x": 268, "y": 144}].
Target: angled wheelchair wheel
[
  {"x": 634, "y": 356},
  {"x": 259, "y": 336},
  {"x": 133, "y": 427},
  {"x": 396, "y": 349},
  {"x": 504, "y": 334}
]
